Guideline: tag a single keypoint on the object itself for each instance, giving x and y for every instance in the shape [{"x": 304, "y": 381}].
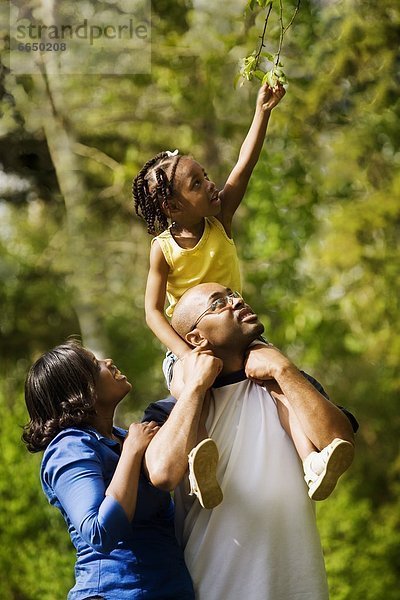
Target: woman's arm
[
  {"x": 155, "y": 301},
  {"x": 124, "y": 484},
  {"x": 73, "y": 474},
  {"x": 236, "y": 185}
]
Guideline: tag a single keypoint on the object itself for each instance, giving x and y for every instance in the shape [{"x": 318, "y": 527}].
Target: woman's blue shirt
[{"x": 116, "y": 559}]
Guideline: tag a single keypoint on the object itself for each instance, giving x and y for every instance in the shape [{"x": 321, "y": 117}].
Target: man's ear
[{"x": 196, "y": 339}]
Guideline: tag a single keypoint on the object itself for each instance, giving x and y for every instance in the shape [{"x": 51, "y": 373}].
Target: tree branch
[
  {"x": 262, "y": 37},
  {"x": 283, "y": 28}
]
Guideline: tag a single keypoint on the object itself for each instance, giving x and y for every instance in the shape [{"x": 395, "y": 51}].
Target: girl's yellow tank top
[{"x": 214, "y": 258}]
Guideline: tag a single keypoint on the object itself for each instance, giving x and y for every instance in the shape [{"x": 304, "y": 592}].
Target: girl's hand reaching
[{"x": 268, "y": 97}]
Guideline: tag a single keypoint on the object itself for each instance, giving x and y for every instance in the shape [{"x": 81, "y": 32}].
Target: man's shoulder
[
  {"x": 159, "y": 411},
  {"x": 237, "y": 377}
]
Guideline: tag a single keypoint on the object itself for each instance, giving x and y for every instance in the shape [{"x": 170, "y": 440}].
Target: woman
[{"x": 121, "y": 526}]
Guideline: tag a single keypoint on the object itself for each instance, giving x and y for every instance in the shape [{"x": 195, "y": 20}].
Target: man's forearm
[
  {"x": 166, "y": 458},
  {"x": 320, "y": 419}
]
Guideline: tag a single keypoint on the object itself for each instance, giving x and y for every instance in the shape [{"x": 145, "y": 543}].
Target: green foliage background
[{"x": 318, "y": 234}]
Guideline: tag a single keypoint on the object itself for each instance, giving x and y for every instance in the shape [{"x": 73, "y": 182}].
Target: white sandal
[
  {"x": 203, "y": 460},
  {"x": 335, "y": 459}
]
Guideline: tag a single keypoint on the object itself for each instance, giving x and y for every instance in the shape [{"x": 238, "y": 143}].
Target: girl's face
[
  {"x": 111, "y": 385},
  {"x": 195, "y": 195}
]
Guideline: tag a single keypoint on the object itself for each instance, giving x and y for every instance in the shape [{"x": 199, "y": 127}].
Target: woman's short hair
[{"x": 59, "y": 393}]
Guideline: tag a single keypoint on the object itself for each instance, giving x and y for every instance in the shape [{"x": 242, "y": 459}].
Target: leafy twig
[
  {"x": 251, "y": 64},
  {"x": 283, "y": 28}
]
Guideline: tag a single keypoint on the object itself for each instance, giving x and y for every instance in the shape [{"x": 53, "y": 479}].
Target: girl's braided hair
[{"x": 150, "y": 198}]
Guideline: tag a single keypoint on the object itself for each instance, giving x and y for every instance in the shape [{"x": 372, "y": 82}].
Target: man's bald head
[{"x": 192, "y": 303}]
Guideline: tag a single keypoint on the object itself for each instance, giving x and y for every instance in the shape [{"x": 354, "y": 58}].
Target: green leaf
[
  {"x": 259, "y": 74},
  {"x": 270, "y": 79},
  {"x": 280, "y": 75},
  {"x": 269, "y": 56},
  {"x": 248, "y": 66},
  {"x": 250, "y": 4}
]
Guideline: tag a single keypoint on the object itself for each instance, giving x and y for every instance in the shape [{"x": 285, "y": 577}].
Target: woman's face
[{"x": 111, "y": 385}]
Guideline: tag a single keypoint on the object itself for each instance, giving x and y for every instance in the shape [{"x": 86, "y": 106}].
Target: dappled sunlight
[{"x": 317, "y": 235}]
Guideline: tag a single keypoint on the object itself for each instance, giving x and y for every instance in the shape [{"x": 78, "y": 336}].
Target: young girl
[{"x": 197, "y": 247}]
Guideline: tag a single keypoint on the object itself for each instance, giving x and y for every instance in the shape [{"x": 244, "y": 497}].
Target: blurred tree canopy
[{"x": 318, "y": 233}]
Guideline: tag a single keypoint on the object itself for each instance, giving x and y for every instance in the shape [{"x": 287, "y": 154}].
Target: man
[{"x": 261, "y": 543}]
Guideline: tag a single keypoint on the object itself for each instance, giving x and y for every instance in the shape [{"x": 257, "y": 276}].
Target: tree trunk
[{"x": 81, "y": 255}]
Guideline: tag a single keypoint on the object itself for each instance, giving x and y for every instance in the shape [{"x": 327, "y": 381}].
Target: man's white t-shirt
[{"x": 261, "y": 542}]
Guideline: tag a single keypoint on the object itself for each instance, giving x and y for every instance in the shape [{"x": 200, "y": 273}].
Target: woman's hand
[{"x": 140, "y": 435}]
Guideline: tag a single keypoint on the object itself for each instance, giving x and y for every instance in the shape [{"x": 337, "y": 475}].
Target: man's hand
[
  {"x": 200, "y": 368},
  {"x": 268, "y": 97},
  {"x": 265, "y": 362}
]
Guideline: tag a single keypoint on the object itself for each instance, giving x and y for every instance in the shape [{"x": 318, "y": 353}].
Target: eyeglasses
[{"x": 218, "y": 306}]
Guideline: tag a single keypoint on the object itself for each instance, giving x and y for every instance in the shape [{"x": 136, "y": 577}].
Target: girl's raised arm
[{"x": 236, "y": 185}]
